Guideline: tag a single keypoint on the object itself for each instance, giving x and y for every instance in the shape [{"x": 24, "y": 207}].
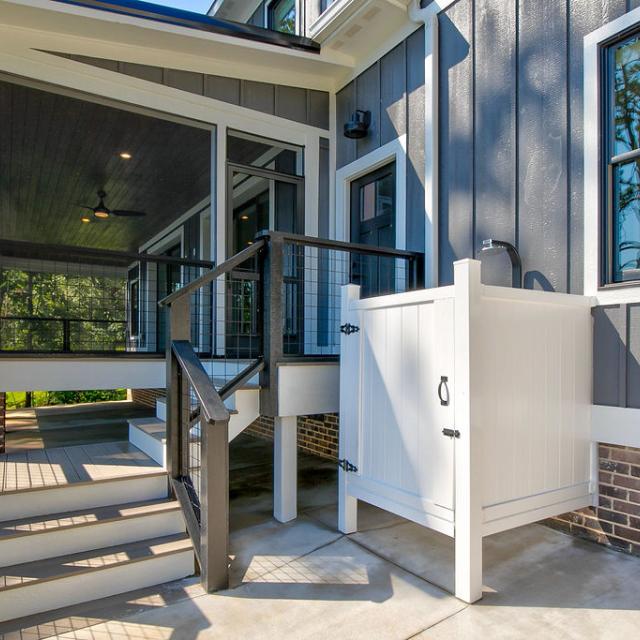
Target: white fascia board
[{"x": 73, "y": 29}]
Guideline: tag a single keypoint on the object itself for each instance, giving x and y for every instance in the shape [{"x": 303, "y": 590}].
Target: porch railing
[
  {"x": 74, "y": 300},
  {"x": 277, "y": 300}
]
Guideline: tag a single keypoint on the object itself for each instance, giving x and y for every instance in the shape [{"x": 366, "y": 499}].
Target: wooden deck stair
[{"x": 76, "y": 521}]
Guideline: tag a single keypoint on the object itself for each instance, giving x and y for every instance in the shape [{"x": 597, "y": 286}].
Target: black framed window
[
  {"x": 621, "y": 224},
  {"x": 281, "y": 16}
]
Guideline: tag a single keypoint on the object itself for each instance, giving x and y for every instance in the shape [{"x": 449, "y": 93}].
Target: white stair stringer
[
  {"x": 45, "y": 585},
  {"x": 149, "y": 434},
  {"x": 83, "y": 495},
  {"x": 247, "y": 409},
  {"x": 41, "y": 537}
]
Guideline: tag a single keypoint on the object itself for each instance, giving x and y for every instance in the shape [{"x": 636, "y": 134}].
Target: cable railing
[
  {"x": 81, "y": 301},
  {"x": 277, "y": 300}
]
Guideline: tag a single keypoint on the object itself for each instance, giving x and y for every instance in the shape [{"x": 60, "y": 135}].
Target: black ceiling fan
[{"x": 102, "y": 212}]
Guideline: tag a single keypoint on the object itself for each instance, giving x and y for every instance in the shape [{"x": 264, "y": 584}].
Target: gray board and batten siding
[
  {"x": 307, "y": 106},
  {"x": 511, "y": 134},
  {"x": 511, "y": 156},
  {"x": 392, "y": 88},
  {"x": 510, "y": 152}
]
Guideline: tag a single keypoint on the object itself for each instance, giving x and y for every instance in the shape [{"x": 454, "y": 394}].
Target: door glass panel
[
  {"x": 251, "y": 196},
  {"x": 373, "y": 223},
  {"x": 368, "y": 201}
]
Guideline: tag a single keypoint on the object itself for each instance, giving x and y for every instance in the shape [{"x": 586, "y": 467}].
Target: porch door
[
  {"x": 260, "y": 200},
  {"x": 373, "y": 222}
]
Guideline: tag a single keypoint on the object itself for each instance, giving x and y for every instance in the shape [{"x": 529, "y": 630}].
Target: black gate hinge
[
  {"x": 346, "y": 465},
  {"x": 451, "y": 433},
  {"x": 349, "y": 328}
]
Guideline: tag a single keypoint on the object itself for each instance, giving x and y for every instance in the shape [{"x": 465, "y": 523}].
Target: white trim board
[
  {"x": 592, "y": 161},
  {"x": 394, "y": 151},
  {"x": 615, "y": 425}
]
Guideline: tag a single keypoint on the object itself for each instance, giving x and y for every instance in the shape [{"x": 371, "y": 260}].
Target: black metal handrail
[
  {"x": 293, "y": 275},
  {"x": 226, "y": 267},
  {"x": 203, "y": 488}
]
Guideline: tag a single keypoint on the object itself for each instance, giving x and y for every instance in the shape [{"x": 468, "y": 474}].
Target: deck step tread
[
  {"x": 27, "y": 574},
  {"x": 84, "y": 517},
  {"x": 63, "y": 466}
]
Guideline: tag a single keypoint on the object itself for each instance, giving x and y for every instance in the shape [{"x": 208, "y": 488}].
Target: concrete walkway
[{"x": 388, "y": 581}]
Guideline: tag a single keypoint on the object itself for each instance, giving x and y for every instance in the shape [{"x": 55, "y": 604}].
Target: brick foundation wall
[
  {"x": 147, "y": 397},
  {"x": 317, "y": 435},
  {"x": 3, "y": 419},
  {"x": 615, "y": 522}
]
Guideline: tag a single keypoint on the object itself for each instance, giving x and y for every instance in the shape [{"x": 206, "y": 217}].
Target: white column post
[
  {"x": 285, "y": 469},
  {"x": 349, "y": 387},
  {"x": 468, "y": 498}
]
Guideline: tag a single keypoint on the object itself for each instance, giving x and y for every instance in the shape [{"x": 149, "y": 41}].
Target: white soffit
[{"x": 358, "y": 28}]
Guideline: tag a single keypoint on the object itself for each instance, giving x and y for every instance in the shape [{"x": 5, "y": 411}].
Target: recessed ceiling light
[
  {"x": 85, "y": 219},
  {"x": 125, "y": 155},
  {"x": 244, "y": 217}
]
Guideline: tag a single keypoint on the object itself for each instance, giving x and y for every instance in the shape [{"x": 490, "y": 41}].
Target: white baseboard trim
[{"x": 615, "y": 425}]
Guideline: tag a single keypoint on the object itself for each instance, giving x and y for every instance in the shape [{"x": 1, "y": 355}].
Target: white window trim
[
  {"x": 396, "y": 150},
  {"x": 592, "y": 162}
]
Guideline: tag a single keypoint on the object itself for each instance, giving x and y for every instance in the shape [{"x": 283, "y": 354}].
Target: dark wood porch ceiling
[{"x": 56, "y": 152}]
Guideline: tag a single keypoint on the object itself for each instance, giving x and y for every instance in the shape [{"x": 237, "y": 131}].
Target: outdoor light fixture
[
  {"x": 359, "y": 125},
  {"x": 125, "y": 155}
]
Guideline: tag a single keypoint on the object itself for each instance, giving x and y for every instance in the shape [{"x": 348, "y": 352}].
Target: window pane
[
  {"x": 377, "y": 197},
  {"x": 283, "y": 16},
  {"x": 253, "y": 151},
  {"x": 626, "y": 222},
  {"x": 627, "y": 96}
]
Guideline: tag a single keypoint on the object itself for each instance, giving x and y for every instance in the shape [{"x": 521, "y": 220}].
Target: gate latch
[
  {"x": 346, "y": 465},
  {"x": 451, "y": 433},
  {"x": 349, "y": 328}
]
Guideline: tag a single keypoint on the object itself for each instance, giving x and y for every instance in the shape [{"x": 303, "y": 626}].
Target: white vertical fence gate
[{"x": 465, "y": 409}]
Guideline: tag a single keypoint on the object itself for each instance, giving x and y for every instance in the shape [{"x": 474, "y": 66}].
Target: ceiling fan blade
[
  {"x": 84, "y": 206},
  {"x": 128, "y": 214}
]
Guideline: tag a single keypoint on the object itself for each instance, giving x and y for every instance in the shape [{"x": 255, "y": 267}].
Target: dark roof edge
[{"x": 191, "y": 20}]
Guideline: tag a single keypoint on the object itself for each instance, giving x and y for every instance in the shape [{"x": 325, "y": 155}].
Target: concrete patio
[{"x": 389, "y": 580}]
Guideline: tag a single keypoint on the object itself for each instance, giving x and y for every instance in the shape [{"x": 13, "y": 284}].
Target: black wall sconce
[{"x": 359, "y": 125}]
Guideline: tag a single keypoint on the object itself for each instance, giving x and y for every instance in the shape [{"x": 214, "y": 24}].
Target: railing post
[
  {"x": 66, "y": 335},
  {"x": 272, "y": 323},
  {"x": 178, "y": 328},
  {"x": 214, "y": 502}
]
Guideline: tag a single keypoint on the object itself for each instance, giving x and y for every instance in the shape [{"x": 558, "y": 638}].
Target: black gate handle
[{"x": 443, "y": 384}]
